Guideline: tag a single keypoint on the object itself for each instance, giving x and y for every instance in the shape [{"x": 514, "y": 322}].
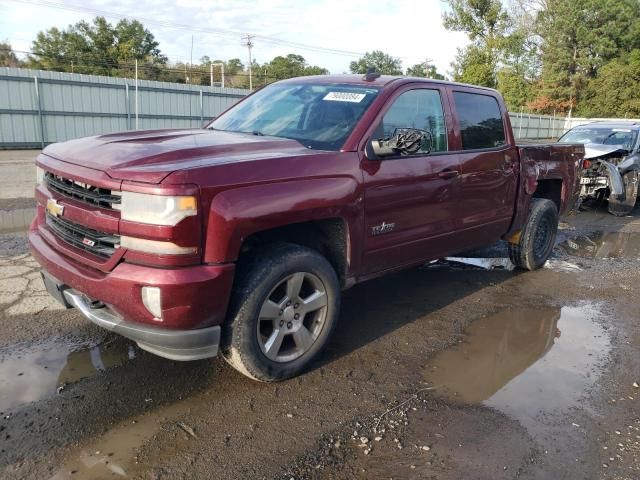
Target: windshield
[
  {"x": 624, "y": 137},
  {"x": 320, "y": 116}
]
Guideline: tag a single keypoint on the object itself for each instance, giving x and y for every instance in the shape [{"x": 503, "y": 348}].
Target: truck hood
[
  {"x": 595, "y": 150},
  {"x": 150, "y": 155}
]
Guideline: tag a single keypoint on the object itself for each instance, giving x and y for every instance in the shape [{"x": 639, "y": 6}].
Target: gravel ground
[{"x": 553, "y": 354}]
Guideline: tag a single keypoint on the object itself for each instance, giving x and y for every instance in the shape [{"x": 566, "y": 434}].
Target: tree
[
  {"x": 8, "y": 57},
  {"x": 379, "y": 61},
  {"x": 99, "y": 48},
  {"x": 291, "y": 66},
  {"x": 487, "y": 24},
  {"x": 614, "y": 92},
  {"x": 476, "y": 66},
  {"x": 578, "y": 38},
  {"x": 424, "y": 70}
]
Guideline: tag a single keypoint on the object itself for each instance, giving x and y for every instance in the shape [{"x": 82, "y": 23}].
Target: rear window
[{"x": 480, "y": 120}]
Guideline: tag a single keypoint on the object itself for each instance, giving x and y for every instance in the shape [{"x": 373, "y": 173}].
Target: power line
[
  {"x": 189, "y": 28},
  {"x": 115, "y": 65}
]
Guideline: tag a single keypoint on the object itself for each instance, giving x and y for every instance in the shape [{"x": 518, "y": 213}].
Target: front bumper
[
  {"x": 173, "y": 344},
  {"x": 194, "y": 300}
]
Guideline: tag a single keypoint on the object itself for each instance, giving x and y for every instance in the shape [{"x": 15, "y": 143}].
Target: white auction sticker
[{"x": 344, "y": 97}]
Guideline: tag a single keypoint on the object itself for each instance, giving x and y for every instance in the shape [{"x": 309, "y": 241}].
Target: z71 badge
[{"x": 382, "y": 228}]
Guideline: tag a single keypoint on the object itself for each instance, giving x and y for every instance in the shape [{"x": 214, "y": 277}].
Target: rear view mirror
[{"x": 404, "y": 141}]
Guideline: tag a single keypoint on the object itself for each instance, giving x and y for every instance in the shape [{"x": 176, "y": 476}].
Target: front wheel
[
  {"x": 284, "y": 307},
  {"x": 538, "y": 236}
]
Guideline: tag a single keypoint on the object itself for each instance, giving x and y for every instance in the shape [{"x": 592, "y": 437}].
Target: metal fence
[
  {"x": 529, "y": 126},
  {"x": 41, "y": 107}
]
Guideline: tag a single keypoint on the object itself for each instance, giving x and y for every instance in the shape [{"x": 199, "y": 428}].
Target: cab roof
[{"x": 376, "y": 81}]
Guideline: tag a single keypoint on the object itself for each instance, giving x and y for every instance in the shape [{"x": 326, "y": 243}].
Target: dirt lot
[{"x": 440, "y": 372}]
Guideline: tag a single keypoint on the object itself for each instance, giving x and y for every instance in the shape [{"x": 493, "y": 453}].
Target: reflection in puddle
[
  {"x": 36, "y": 372},
  {"x": 604, "y": 245},
  {"x": 113, "y": 455},
  {"x": 524, "y": 361}
]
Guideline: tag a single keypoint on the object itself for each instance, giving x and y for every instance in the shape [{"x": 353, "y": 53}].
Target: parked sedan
[{"x": 612, "y": 162}]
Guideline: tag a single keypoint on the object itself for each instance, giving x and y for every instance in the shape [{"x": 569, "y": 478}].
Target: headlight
[
  {"x": 155, "y": 246},
  {"x": 156, "y": 209},
  {"x": 39, "y": 175}
]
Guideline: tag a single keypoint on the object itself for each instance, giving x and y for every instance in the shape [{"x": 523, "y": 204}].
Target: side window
[
  {"x": 421, "y": 109},
  {"x": 480, "y": 120}
]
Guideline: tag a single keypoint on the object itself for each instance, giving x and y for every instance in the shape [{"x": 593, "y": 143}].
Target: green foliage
[
  {"x": 98, "y": 48},
  {"x": 8, "y": 57},
  {"x": 291, "y": 66},
  {"x": 578, "y": 38},
  {"x": 615, "y": 92},
  {"x": 515, "y": 89},
  {"x": 475, "y": 65},
  {"x": 379, "y": 61},
  {"x": 419, "y": 70},
  {"x": 487, "y": 24}
]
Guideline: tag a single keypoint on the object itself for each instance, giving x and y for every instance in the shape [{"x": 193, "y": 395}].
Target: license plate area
[
  {"x": 55, "y": 288},
  {"x": 594, "y": 181}
]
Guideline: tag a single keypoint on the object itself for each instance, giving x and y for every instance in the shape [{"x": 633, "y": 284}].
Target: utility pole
[
  {"x": 248, "y": 39},
  {"x": 427, "y": 62},
  {"x": 191, "y": 62},
  {"x": 136, "y": 94}
]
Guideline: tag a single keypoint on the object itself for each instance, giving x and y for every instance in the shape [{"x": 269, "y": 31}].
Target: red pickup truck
[{"x": 239, "y": 236}]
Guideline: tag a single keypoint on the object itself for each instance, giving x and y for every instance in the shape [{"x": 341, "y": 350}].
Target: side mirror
[{"x": 404, "y": 141}]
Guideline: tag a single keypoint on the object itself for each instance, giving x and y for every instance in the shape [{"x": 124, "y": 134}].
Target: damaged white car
[{"x": 611, "y": 162}]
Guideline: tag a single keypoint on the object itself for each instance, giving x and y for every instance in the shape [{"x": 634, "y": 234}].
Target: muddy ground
[{"x": 440, "y": 372}]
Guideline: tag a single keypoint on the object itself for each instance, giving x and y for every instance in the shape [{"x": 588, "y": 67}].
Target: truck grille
[
  {"x": 98, "y": 243},
  {"x": 100, "y": 197}
]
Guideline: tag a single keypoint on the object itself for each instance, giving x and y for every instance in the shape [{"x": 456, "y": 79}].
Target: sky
[{"x": 408, "y": 29}]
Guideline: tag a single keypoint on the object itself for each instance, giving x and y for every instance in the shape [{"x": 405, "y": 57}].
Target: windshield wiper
[{"x": 258, "y": 133}]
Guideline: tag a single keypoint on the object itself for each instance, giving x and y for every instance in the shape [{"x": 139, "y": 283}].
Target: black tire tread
[
  {"x": 250, "y": 274},
  {"x": 521, "y": 253}
]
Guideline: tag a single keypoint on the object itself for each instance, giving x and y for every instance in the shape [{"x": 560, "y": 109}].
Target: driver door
[{"x": 411, "y": 200}]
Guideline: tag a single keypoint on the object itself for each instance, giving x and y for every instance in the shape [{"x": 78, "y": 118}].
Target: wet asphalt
[{"x": 445, "y": 371}]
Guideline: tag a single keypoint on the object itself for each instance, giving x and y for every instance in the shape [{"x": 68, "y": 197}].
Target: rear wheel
[
  {"x": 538, "y": 236},
  {"x": 283, "y": 310},
  {"x": 623, "y": 208}
]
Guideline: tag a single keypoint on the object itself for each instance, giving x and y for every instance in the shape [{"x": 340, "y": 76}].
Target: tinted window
[
  {"x": 480, "y": 121},
  {"x": 319, "y": 116},
  {"x": 418, "y": 109}
]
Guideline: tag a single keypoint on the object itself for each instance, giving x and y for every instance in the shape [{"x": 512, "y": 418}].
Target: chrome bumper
[{"x": 180, "y": 345}]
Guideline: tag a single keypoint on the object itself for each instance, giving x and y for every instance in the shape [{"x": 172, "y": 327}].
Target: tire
[
  {"x": 622, "y": 209},
  {"x": 537, "y": 237},
  {"x": 270, "y": 335}
]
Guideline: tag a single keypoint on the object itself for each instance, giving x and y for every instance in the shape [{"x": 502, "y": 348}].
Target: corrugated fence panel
[{"x": 41, "y": 107}]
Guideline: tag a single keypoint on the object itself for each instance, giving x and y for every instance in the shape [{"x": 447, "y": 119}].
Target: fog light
[{"x": 152, "y": 300}]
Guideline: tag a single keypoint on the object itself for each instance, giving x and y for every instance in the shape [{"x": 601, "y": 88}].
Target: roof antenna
[{"x": 371, "y": 75}]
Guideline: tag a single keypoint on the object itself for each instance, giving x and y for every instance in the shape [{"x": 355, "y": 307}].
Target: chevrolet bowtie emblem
[{"x": 54, "y": 208}]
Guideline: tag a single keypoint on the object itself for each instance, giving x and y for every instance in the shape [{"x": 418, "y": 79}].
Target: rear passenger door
[{"x": 488, "y": 162}]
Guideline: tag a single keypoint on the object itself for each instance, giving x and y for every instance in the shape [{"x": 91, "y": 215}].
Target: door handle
[{"x": 448, "y": 173}]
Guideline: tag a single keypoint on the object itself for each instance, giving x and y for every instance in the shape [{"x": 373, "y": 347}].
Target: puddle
[
  {"x": 34, "y": 373},
  {"x": 524, "y": 361},
  {"x": 601, "y": 244},
  {"x": 113, "y": 455}
]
